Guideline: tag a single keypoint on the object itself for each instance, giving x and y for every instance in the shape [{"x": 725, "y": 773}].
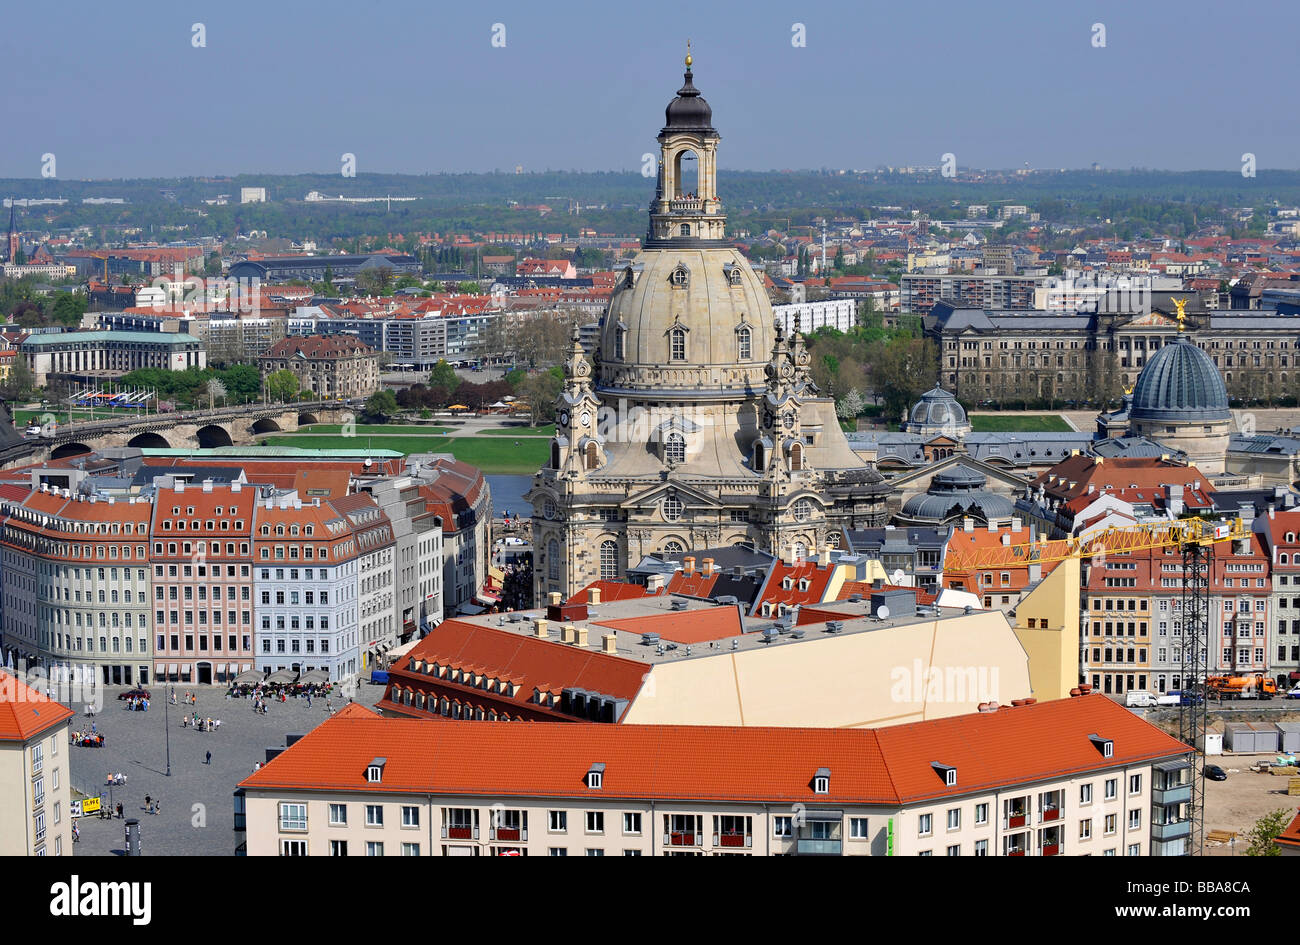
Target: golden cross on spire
[{"x": 689, "y": 60}]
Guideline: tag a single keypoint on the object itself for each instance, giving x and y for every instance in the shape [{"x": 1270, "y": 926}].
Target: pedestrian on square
[
  {"x": 119, "y": 811},
  {"x": 148, "y": 802},
  {"x": 209, "y": 759}
]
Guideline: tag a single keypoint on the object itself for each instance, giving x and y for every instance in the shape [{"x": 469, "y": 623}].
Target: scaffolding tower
[{"x": 1193, "y": 707}]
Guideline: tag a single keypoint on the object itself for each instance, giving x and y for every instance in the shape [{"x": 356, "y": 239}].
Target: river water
[{"x": 508, "y": 493}]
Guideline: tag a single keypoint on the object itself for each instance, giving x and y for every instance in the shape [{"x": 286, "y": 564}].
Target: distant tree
[
  {"x": 1266, "y": 830},
  {"x": 20, "y": 383},
  {"x": 243, "y": 382},
  {"x": 540, "y": 391},
  {"x": 216, "y": 390},
  {"x": 212, "y": 265},
  {"x": 68, "y": 308},
  {"x": 444, "y": 377},
  {"x": 282, "y": 385},
  {"x": 850, "y": 405},
  {"x": 380, "y": 406}
]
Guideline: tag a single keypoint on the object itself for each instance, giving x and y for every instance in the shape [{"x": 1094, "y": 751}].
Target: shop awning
[
  {"x": 171, "y": 669},
  {"x": 160, "y": 668}
]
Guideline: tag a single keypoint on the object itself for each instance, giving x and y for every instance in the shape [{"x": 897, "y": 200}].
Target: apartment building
[
  {"x": 373, "y": 545},
  {"x": 1241, "y": 591},
  {"x": 305, "y": 584},
  {"x": 1072, "y": 777},
  {"x": 97, "y": 354},
  {"x": 920, "y": 291},
  {"x": 35, "y": 798},
  {"x": 1279, "y": 532},
  {"x": 76, "y": 581},
  {"x": 1118, "y": 593},
  {"x": 202, "y": 563}
]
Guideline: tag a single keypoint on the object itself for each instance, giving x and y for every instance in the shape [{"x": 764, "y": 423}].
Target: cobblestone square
[{"x": 196, "y": 813}]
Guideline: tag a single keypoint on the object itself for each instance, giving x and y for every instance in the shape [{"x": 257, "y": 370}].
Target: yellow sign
[{"x": 90, "y": 805}]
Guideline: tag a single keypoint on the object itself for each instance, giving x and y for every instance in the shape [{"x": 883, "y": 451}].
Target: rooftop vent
[
  {"x": 834, "y": 626},
  {"x": 649, "y": 639}
]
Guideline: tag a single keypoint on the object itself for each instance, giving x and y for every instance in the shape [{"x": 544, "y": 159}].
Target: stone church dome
[{"x": 1180, "y": 384}]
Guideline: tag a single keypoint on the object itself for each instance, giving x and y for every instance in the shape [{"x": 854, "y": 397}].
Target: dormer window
[
  {"x": 1104, "y": 745},
  {"x": 375, "y": 771},
  {"x": 596, "y": 776},
  {"x": 822, "y": 781},
  {"x": 733, "y": 275},
  {"x": 947, "y": 772},
  {"x": 681, "y": 275},
  {"x": 674, "y": 449},
  {"x": 744, "y": 343}
]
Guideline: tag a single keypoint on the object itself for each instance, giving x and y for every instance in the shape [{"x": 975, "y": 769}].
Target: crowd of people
[
  {"x": 137, "y": 704},
  {"x": 91, "y": 739},
  {"x": 199, "y": 723}
]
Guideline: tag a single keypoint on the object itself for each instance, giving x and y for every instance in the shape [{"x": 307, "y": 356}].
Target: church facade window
[
  {"x": 677, "y": 344},
  {"x": 609, "y": 560},
  {"x": 744, "y": 344},
  {"x": 673, "y": 508},
  {"x": 675, "y": 448},
  {"x": 552, "y": 560}
]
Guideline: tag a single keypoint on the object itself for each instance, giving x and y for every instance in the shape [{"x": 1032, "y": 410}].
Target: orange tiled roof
[
  {"x": 24, "y": 712},
  {"x": 891, "y": 765}
]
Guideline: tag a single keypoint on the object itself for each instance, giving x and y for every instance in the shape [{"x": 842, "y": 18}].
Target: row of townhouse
[
  {"x": 1132, "y": 609},
  {"x": 199, "y": 583},
  {"x": 1079, "y": 777}
]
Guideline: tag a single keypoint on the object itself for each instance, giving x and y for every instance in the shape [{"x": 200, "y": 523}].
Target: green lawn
[
  {"x": 546, "y": 430},
  {"x": 389, "y": 428},
  {"x": 492, "y": 455},
  {"x": 1019, "y": 423}
]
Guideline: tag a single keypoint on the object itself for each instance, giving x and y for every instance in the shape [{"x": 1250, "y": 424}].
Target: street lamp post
[{"x": 167, "y": 734}]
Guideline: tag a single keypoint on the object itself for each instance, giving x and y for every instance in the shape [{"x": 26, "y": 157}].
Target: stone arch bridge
[{"x": 244, "y": 425}]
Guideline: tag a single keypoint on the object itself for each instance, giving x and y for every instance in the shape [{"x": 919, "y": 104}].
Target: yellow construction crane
[{"x": 1178, "y": 533}]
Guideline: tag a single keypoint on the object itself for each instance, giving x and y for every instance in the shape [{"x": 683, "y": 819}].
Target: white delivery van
[{"x": 1139, "y": 699}]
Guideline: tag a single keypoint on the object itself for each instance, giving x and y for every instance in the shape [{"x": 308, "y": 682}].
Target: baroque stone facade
[
  {"x": 330, "y": 366},
  {"x": 1046, "y": 357},
  {"x": 699, "y": 424}
]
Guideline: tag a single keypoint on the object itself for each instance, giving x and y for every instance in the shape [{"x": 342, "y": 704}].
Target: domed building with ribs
[
  {"x": 1179, "y": 401},
  {"x": 698, "y": 425}
]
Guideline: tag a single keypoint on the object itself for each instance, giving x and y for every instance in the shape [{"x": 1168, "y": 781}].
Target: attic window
[
  {"x": 375, "y": 772},
  {"x": 947, "y": 772},
  {"x": 1104, "y": 745},
  {"x": 822, "y": 781},
  {"x": 596, "y": 776}
]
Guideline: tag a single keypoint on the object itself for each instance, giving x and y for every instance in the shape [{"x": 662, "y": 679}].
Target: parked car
[
  {"x": 136, "y": 693},
  {"x": 1293, "y": 692},
  {"x": 1215, "y": 773}
]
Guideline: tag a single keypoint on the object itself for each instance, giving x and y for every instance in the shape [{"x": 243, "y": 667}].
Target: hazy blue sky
[{"x": 117, "y": 89}]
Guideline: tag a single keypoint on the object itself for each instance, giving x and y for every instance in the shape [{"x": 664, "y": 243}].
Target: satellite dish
[
  {"x": 882, "y": 611},
  {"x": 897, "y": 576}
]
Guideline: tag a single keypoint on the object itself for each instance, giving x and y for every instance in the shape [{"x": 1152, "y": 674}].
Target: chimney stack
[
  {"x": 654, "y": 583},
  {"x": 593, "y": 595},
  {"x": 555, "y": 598},
  {"x": 706, "y": 567},
  {"x": 968, "y": 525},
  {"x": 581, "y": 638},
  {"x": 824, "y": 559},
  {"x": 541, "y": 624},
  {"x": 688, "y": 565},
  {"x": 609, "y": 643},
  {"x": 567, "y": 633}
]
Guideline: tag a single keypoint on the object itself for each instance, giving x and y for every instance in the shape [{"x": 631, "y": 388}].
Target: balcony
[
  {"x": 1048, "y": 814},
  {"x": 509, "y": 833},
  {"x": 1162, "y": 833},
  {"x": 818, "y": 847},
  {"x": 686, "y": 205},
  {"x": 459, "y": 832},
  {"x": 1017, "y": 820},
  {"x": 1051, "y": 849},
  {"x": 1166, "y": 797},
  {"x": 682, "y": 839},
  {"x": 732, "y": 840}
]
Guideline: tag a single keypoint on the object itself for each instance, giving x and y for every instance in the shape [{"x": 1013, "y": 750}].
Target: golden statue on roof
[
  {"x": 689, "y": 60},
  {"x": 1181, "y": 315}
]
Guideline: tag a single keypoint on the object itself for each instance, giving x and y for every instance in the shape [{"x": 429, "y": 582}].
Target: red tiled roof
[
  {"x": 891, "y": 765},
  {"x": 24, "y": 712},
  {"x": 612, "y": 591},
  {"x": 1290, "y": 836},
  {"x": 688, "y": 626}
]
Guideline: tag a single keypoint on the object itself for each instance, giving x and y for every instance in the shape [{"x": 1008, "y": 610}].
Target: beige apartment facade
[
  {"x": 1079, "y": 776},
  {"x": 35, "y": 811}
]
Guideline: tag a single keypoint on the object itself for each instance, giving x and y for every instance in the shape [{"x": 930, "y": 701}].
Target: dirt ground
[{"x": 1235, "y": 804}]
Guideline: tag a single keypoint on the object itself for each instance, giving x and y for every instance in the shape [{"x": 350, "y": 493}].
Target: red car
[{"x": 136, "y": 693}]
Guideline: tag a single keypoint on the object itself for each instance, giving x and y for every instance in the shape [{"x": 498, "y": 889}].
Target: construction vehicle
[{"x": 1257, "y": 686}]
